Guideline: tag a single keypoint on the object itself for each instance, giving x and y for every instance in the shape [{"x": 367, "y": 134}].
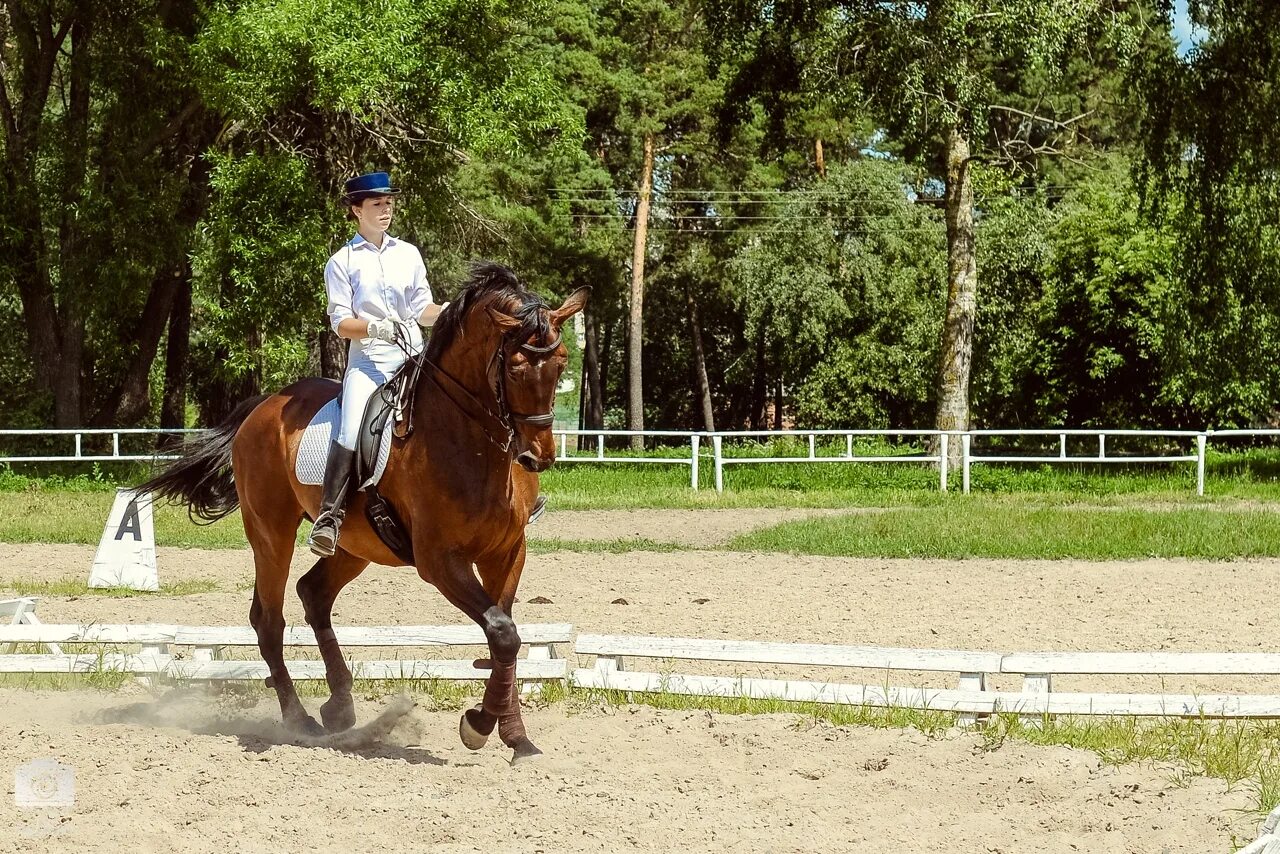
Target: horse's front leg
[
  {"x": 500, "y": 579},
  {"x": 454, "y": 578}
]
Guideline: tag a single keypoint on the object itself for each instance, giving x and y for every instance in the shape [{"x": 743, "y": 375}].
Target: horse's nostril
[{"x": 528, "y": 461}]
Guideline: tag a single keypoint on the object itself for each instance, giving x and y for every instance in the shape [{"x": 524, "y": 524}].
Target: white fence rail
[
  {"x": 590, "y": 446},
  {"x": 151, "y": 654},
  {"x": 970, "y": 697},
  {"x": 207, "y": 645}
]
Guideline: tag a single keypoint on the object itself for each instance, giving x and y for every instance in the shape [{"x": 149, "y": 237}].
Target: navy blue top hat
[{"x": 363, "y": 186}]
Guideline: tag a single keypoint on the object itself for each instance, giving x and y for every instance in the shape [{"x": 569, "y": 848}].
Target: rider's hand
[{"x": 383, "y": 330}]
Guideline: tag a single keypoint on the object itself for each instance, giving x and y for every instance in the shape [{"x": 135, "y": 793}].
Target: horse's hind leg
[
  {"x": 272, "y": 551},
  {"x": 317, "y": 590}
]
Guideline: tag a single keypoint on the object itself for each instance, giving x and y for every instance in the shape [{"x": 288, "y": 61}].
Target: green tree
[
  {"x": 848, "y": 290},
  {"x": 930, "y": 70},
  {"x": 1212, "y": 118},
  {"x": 100, "y": 133},
  {"x": 317, "y": 92}
]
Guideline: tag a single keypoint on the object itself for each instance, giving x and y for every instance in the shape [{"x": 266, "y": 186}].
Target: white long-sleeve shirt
[{"x": 374, "y": 284}]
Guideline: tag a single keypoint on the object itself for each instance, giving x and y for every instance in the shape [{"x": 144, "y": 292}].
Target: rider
[{"x": 378, "y": 296}]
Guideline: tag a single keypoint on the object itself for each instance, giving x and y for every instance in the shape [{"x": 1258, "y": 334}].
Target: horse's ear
[
  {"x": 505, "y": 322},
  {"x": 576, "y": 302}
]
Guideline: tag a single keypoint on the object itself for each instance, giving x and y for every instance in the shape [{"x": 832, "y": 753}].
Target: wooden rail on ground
[
  {"x": 207, "y": 643},
  {"x": 970, "y": 697},
  {"x": 202, "y": 649}
]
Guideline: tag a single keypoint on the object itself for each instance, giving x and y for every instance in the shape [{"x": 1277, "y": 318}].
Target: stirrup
[
  {"x": 539, "y": 507},
  {"x": 324, "y": 545}
]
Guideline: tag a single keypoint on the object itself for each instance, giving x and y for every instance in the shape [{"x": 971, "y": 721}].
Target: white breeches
[{"x": 368, "y": 367}]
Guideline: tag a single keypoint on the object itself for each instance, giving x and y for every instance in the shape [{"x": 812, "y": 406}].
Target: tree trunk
[
  {"x": 701, "y": 385},
  {"x": 759, "y": 383},
  {"x": 635, "y": 332},
  {"x": 777, "y": 406},
  {"x": 68, "y": 405},
  {"x": 173, "y": 407},
  {"x": 962, "y": 298},
  {"x": 333, "y": 353},
  {"x": 131, "y": 401},
  {"x": 592, "y": 381},
  {"x": 602, "y": 361},
  {"x": 819, "y": 158}
]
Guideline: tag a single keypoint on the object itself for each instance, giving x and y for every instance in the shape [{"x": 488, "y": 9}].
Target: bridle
[{"x": 499, "y": 427}]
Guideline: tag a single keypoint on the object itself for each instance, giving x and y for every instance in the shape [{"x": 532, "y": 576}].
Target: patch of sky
[{"x": 1187, "y": 34}]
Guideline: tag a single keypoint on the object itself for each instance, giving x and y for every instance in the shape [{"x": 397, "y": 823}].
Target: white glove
[{"x": 383, "y": 330}]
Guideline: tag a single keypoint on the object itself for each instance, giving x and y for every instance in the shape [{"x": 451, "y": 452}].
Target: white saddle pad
[{"x": 314, "y": 449}]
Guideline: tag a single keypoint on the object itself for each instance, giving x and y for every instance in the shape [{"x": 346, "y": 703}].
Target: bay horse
[{"x": 463, "y": 482}]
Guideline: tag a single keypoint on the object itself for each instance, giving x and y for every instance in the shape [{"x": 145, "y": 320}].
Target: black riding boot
[{"x": 337, "y": 480}]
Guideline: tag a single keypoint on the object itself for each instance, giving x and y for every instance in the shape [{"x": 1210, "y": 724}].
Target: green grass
[
  {"x": 618, "y": 546},
  {"x": 1010, "y": 513},
  {"x": 1004, "y": 529},
  {"x": 77, "y": 587}
]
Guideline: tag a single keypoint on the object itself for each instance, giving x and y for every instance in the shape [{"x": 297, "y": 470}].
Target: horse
[{"x": 463, "y": 482}]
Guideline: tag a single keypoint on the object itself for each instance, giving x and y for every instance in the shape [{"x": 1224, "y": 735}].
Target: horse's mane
[{"x": 490, "y": 283}]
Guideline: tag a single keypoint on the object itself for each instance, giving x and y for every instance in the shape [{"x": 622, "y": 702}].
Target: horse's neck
[{"x": 456, "y": 439}]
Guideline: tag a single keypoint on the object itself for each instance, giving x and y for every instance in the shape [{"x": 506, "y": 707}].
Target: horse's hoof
[
  {"x": 524, "y": 752},
  {"x": 468, "y": 731},
  {"x": 338, "y": 714},
  {"x": 304, "y": 725}
]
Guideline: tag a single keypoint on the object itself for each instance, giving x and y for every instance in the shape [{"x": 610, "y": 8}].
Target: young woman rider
[{"x": 378, "y": 298}]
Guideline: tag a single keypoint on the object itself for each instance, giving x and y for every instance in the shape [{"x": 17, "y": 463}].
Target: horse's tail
[{"x": 202, "y": 478}]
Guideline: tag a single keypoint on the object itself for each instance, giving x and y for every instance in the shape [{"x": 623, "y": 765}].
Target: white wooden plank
[
  {"x": 1271, "y": 823},
  {"x": 795, "y": 691},
  {"x": 1153, "y": 705},
  {"x": 525, "y": 669},
  {"x": 1267, "y": 844},
  {"x": 81, "y": 663},
  {"x": 469, "y": 635},
  {"x": 460, "y": 635},
  {"x": 1163, "y": 663},
  {"x": 971, "y": 682},
  {"x": 12, "y": 610},
  {"x": 71, "y": 633},
  {"x": 758, "y": 652}
]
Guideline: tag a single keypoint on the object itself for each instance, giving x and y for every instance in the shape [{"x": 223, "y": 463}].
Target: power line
[{"x": 797, "y": 191}]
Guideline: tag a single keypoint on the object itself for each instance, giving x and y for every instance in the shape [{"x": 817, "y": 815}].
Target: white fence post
[
  {"x": 717, "y": 451},
  {"x": 943, "y": 462},
  {"x": 1200, "y": 443},
  {"x": 812, "y": 438},
  {"x": 965, "y": 442},
  {"x": 694, "y": 441}
]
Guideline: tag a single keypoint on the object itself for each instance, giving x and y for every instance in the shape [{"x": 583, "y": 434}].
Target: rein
[{"x": 499, "y": 427}]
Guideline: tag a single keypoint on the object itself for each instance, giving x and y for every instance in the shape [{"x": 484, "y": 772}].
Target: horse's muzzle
[{"x": 530, "y": 462}]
